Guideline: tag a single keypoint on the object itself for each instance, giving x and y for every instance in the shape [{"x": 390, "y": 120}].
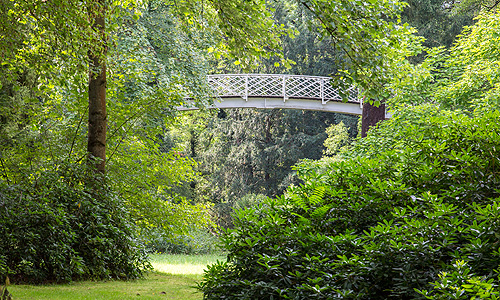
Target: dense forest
[{"x": 98, "y": 168}]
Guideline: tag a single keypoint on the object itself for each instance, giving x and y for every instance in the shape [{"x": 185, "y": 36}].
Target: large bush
[
  {"x": 58, "y": 226},
  {"x": 387, "y": 220}
]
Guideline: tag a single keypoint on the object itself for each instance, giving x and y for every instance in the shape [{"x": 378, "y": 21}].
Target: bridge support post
[
  {"x": 284, "y": 89},
  {"x": 246, "y": 89},
  {"x": 371, "y": 116}
]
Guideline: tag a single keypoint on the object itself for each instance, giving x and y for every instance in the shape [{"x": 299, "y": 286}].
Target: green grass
[
  {"x": 174, "y": 278},
  {"x": 183, "y": 264}
]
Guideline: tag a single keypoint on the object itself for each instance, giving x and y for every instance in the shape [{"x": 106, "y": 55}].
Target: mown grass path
[{"x": 174, "y": 278}]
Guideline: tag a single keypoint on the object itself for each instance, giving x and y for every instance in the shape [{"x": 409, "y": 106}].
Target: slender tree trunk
[
  {"x": 267, "y": 176},
  {"x": 96, "y": 144},
  {"x": 371, "y": 116},
  {"x": 193, "y": 141}
]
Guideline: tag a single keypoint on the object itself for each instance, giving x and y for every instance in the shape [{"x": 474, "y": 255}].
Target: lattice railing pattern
[{"x": 283, "y": 86}]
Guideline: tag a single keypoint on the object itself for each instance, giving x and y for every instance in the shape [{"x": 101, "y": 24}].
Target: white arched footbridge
[{"x": 280, "y": 91}]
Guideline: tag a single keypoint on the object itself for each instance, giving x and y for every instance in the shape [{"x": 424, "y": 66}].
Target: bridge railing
[{"x": 278, "y": 86}]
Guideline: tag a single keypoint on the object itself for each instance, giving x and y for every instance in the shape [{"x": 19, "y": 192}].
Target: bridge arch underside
[{"x": 353, "y": 108}]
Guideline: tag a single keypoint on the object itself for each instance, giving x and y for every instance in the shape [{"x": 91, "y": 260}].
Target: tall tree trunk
[
  {"x": 193, "y": 141},
  {"x": 267, "y": 176},
  {"x": 371, "y": 116},
  {"x": 96, "y": 143}
]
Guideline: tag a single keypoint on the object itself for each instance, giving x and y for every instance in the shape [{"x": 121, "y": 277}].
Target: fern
[
  {"x": 317, "y": 196},
  {"x": 320, "y": 212}
]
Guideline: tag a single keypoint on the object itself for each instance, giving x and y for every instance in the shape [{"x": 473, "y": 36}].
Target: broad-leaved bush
[
  {"x": 385, "y": 220},
  {"x": 59, "y": 227}
]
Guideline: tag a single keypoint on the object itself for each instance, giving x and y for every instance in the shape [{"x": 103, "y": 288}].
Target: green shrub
[
  {"x": 197, "y": 241},
  {"x": 55, "y": 228},
  {"x": 248, "y": 201},
  {"x": 458, "y": 283},
  {"x": 381, "y": 222}
]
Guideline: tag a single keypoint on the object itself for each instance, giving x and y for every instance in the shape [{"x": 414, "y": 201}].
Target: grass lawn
[
  {"x": 183, "y": 264},
  {"x": 174, "y": 278}
]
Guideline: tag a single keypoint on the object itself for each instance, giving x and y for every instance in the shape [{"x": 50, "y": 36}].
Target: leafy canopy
[
  {"x": 464, "y": 77},
  {"x": 371, "y": 38}
]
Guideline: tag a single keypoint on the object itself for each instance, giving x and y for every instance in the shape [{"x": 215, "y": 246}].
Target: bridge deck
[{"x": 279, "y": 91}]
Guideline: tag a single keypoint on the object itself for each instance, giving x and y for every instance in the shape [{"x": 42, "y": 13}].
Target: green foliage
[
  {"x": 145, "y": 176},
  {"x": 248, "y": 152},
  {"x": 458, "y": 283},
  {"x": 17, "y": 105},
  {"x": 465, "y": 77},
  {"x": 244, "y": 30},
  {"x": 251, "y": 151},
  {"x": 338, "y": 138},
  {"x": 474, "y": 6},
  {"x": 35, "y": 34},
  {"x": 156, "y": 64},
  {"x": 58, "y": 226},
  {"x": 397, "y": 210},
  {"x": 435, "y": 21},
  {"x": 371, "y": 38},
  {"x": 39, "y": 136},
  {"x": 248, "y": 201},
  {"x": 154, "y": 51},
  {"x": 195, "y": 242},
  {"x": 304, "y": 47},
  {"x": 156, "y": 217}
]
